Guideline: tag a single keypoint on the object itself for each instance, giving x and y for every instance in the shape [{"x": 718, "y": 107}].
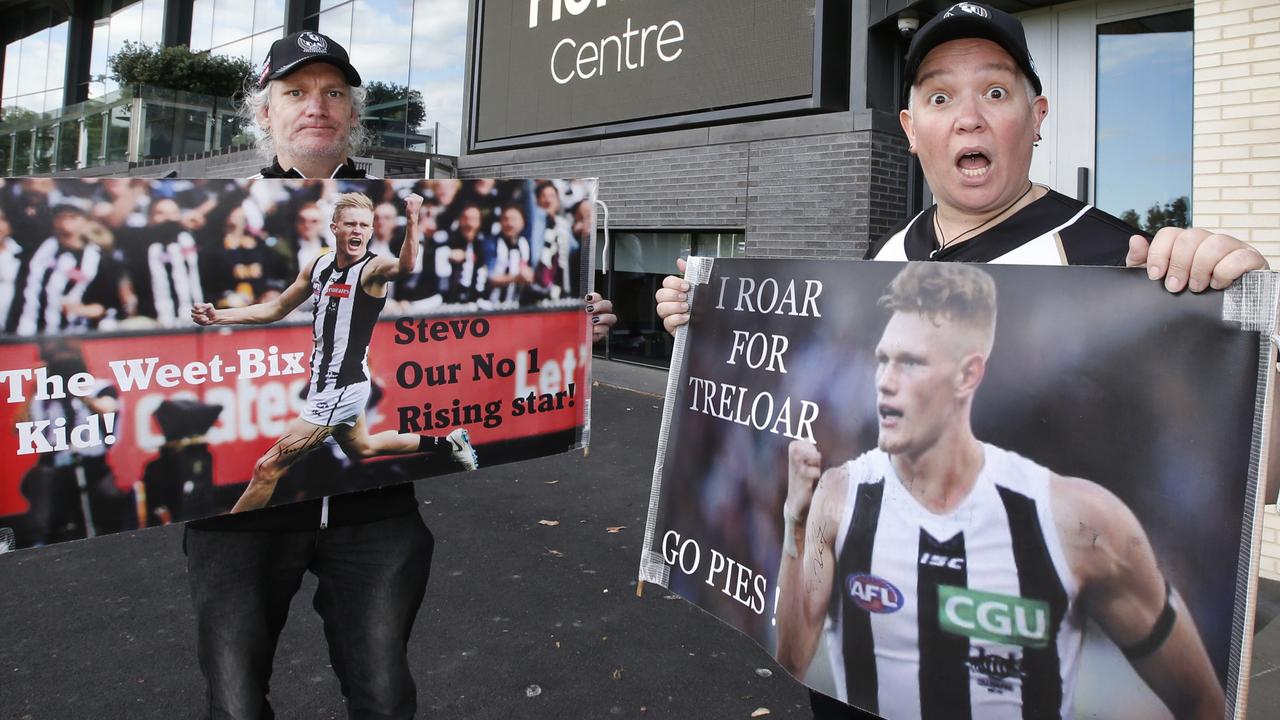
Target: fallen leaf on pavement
[
  {"x": 552, "y": 523},
  {"x": 760, "y": 712},
  {"x": 617, "y": 674},
  {"x": 550, "y": 482},
  {"x": 557, "y": 553},
  {"x": 616, "y": 529}
]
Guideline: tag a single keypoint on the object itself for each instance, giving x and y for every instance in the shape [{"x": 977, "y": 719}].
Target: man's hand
[
  {"x": 672, "y": 299},
  {"x": 412, "y": 204},
  {"x": 1193, "y": 258},
  {"x": 804, "y": 467},
  {"x": 203, "y": 314},
  {"x": 602, "y": 317}
]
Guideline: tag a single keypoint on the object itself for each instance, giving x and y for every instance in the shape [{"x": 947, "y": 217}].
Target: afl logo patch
[
  {"x": 873, "y": 594},
  {"x": 312, "y": 43},
  {"x": 968, "y": 8}
]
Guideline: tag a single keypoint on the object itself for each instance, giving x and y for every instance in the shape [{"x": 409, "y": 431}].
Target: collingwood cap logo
[
  {"x": 312, "y": 43},
  {"x": 969, "y": 8}
]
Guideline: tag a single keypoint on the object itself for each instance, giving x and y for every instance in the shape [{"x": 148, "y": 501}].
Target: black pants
[{"x": 372, "y": 578}]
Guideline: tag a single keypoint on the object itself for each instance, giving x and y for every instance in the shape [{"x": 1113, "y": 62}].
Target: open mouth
[
  {"x": 974, "y": 164},
  {"x": 889, "y": 413}
]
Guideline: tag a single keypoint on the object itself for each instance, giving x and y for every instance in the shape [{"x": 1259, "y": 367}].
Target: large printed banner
[
  {"x": 119, "y": 410},
  {"x": 945, "y": 490}
]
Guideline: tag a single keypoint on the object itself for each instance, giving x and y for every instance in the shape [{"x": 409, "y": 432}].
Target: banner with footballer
[
  {"x": 174, "y": 349},
  {"x": 948, "y": 490}
]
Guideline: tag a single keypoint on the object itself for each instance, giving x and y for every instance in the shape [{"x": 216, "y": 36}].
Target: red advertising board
[{"x": 502, "y": 376}]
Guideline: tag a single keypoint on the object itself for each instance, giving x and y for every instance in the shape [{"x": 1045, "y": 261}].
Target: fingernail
[
  {"x": 590, "y": 308},
  {"x": 683, "y": 297},
  {"x": 1195, "y": 286},
  {"x": 1171, "y": 284},
  {"x": 595, "y": 320},
  {"x": 684, "y": 307},
  {"x": 684, "y": 287},
  {"x": 1153, "y": 272},
  {"x": 587, "y": 298}
]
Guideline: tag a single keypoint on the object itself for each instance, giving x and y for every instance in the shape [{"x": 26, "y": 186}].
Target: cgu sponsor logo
[
  {"x": 874, "y": 594},
  {"x": 1006, "y": 619}
]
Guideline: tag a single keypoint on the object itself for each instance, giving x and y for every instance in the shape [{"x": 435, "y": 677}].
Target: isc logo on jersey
[
  {"x": 1006, "y": 619},
  {"x": 873, "y": 594}
]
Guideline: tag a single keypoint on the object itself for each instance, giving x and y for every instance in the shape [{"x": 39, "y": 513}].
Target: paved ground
[{"x": 521, "y": 620}]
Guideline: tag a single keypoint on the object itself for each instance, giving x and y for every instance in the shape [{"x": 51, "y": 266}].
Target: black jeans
[{"x": 372, "y": 578}]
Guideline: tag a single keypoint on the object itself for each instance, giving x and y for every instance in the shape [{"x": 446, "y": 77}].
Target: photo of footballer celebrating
[
  {"x": 348, "y": 289},
  {"x": 954, "y": 578}
]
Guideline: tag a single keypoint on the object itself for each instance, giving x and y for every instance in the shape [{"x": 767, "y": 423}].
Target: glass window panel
[
  {"x": 326, "y": 4},
  {"x": 1143, "y": 158},
  {"x": 52, "y": 100},
  {"x": 98, "y": 70},
  {"x": 726, "y": 244},
  {"x": 126, "y": 24},
  {"x": 12, "y": 56},
  {"x": 68, "y": 144},
  {"x": 44, "y": 138},
  {"x": 93, "y": 140},
  {"x": 382, "y": 38},
  {"x": 336, "y": 24},
  {"x": 268, "y": 14},
  {"x": 56, "y": 74},
  {"x": 240, "y": 48},
  {"x": 261, "y": 43},
  {"x": 436, "y": 66},
  {"x": 22, "y": 154},
  {"x": 202, "y": 24},
  {"x": 151, "y": 31},
  {"x": 232, "y": 20},
  {"x": 34, "y": 50},
  {"x": 118, "y": 135}
]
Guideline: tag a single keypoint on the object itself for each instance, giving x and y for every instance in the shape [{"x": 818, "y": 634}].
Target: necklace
[{"x": 988, "y": 221}]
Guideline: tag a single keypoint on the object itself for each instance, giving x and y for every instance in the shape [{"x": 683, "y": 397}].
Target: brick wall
[
  {"x": 1237, "y": 121},
  {"x": 1237, "y": 145},
  {"x": 801, "y": 187}
]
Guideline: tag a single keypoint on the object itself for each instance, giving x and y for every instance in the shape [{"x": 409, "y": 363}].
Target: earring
[{"x": 1036, "y": 143}]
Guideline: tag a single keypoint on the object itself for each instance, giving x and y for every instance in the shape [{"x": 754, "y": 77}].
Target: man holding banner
[
  {"x": 958, "y": 575},
  {"x": 973, "y": 116}
]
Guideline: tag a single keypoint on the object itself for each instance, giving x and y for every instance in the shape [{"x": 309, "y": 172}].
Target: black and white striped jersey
[
  {"x": 342, "y": 324},
  {"x": 58, "y": 275},
  {"x": 971, "y": 614},
  {"x": 174, "y": 272},
  {"x": 1053, "y": 230},
  {"x": 13, "y": 280}
]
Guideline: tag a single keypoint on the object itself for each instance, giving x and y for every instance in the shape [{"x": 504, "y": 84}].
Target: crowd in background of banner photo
[
  {"x": 119, "y": 411},
  {"x": 1095, "y": 382}
]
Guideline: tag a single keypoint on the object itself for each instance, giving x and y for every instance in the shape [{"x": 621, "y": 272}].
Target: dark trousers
[{"x": 372, "y": 578}]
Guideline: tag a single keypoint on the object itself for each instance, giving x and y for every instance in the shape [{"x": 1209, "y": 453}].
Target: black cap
[
  {"x": 971, "y": 20},
  {"x": 303, "y": 48}
]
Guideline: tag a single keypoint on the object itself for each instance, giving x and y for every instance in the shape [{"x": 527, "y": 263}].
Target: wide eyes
[{"x": 995, "y": 92}]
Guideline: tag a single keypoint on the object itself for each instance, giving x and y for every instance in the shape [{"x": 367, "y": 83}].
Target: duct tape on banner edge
[
  {"x": 652, "y": 567},
  {"x": 1251, "y": 301},
  {"x": 1256, "y": 313}
]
